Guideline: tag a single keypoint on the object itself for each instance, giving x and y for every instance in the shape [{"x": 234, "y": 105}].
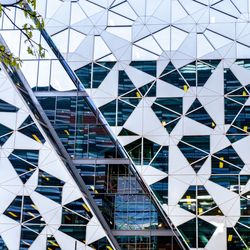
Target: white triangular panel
[
  {"x": 150, "y": 174},
  {"x": 94, "y": 231},
  {"x": 9, "y": 228},
  {"x": 138, "y": 77}
]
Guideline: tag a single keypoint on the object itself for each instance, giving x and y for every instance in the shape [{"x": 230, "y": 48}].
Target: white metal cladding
[
  {"x": 39, "y": 198},
  {"x": 178, "y": 34}
]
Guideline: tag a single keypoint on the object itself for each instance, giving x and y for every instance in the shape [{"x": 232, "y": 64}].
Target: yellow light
[
  {"x": 185, "y": 88},
  {"x": 53, "y": 243},
  {"x": 66, "y": 132},
  {"x": 188, "y": 197},
  {"x": 86, "y": 207},
  {"x": 245, "y": 128},
  {"x": 213, "y": 124},
  {"x": 138, "y": 94},
  {"x": 244, "y": 93},
  {"x": 200, "y": 210},
  {"x": 163, "y": 123},
  {"x": 93, "y": 188},
  {"x": 230, "y": 237},
  {"x": 109, "y": 248},
  {"x": 34, "y": 206},
  {"x": 221, "y": 164},
  {"x": 46, "y": 178},
  {"x": 36, "y": 138},
  {"x": 12, "y": 214},
  {"x": 67, "y": 217},
  {"x": 31, "y": 214}
]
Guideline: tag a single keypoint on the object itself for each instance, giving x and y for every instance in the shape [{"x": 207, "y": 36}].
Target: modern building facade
[{"x": 133, "y": 132}]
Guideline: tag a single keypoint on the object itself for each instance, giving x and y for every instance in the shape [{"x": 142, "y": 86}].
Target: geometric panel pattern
[
  {"x": 168, "y": 75},
  {"x": 41, "y": 205},
  {"x": 172, "y": 80}
]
